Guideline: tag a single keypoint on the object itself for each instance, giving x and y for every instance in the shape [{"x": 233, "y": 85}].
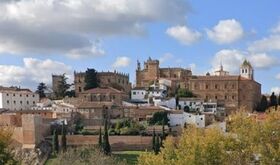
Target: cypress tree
[
  {"x": 273, "y": 100},
  {"x": 279, "y": 99},
  {"x": 106, "y": 143},
  {"x": 100, "y": 138},
  {"x": 157, "y": 146},
  {"x": 91, "y": 79},
  {"x": 55, "y": 145},
  {"x": 163, "y": 130},
  {"x": 263, "y": 104},
  {"x": 154, "y": 140},
  {"x": 63, "y": 138}
]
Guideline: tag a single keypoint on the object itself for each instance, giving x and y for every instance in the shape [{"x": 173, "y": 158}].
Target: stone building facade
[
  {"x": 56, "y": 81},
  {"x": 104, "y": 94},
  {"x": 114, "y": 79},
  {"x": 153, "y": 73},
  {"x": 233, "y": 91}
]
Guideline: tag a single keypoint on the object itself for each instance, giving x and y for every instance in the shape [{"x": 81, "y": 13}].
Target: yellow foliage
[{"x": 247, "y": 141}]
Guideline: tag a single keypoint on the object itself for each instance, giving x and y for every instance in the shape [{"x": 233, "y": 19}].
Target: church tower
[{"x": 246, "y": 70}]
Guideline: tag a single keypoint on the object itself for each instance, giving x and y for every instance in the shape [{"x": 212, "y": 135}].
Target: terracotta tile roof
[
  {"x": 215, "y": 78},
  {"x": 84, "y": 104},
  {"x": 14, "y": 89}
]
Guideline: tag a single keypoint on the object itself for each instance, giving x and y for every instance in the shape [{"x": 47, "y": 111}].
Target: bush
[
  {"x": 84, "y": 132},
  {"x": 129, "y": 131}
]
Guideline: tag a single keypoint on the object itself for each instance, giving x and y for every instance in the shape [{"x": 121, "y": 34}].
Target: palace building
[
  {"x": 233, "y": 91},
  {"x": 114, "y": 79}
]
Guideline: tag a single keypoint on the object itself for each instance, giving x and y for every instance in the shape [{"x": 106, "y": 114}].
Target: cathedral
[{"x": 232, "y": 91}]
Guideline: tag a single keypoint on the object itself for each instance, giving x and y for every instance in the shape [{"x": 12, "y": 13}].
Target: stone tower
[
  {"x": 152, "y": 67},
  {"x": 246, "y": 70},
  {"x": 56, "y": 80}
]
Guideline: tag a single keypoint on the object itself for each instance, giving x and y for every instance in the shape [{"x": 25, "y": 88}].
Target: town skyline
[{"x": 186, "y": 36}]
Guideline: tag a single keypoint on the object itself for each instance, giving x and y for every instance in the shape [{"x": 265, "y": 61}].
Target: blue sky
[{"x": 38, "y": 38}]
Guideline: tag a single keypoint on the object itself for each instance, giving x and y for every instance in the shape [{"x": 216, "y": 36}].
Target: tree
[
  {"x": 263, "y": 105},
  {"x": 100, "y": 138},
  {"x": 106, "y": 143},
  {"x": 154, "y": 140},
  {"x": 279, "y": 99},
  {"x": 55, "y": 145},
  {"x": 6, "y": 156},
  {"x": 273, "y": 100},
  {"x": 157, "y": 145},
  {"x": 63, "y": 86},
  {"x": 85, "y": 156},
  {"x": 63, "y": 138},
  {"x": 91, "y": 79},
  {"x": 158, "y": 118},
  {"x": 41, "y": 90},
  {"x": 184, "y": 93},
  {"x": 163, "y": 136},
  {"x": 248, "y": 141}
]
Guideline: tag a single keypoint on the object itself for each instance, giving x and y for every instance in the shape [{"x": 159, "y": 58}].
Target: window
[
  {"x": 225, "y": 86},
  {"x": 20, "y": 102},
  {"x": 20, "y": 95},
  {"x": 233, "y": 97},
  {"x": 8, "y": 102},
  {"x": 232, "y": 86},
  {"x": 7, "y": 94},
  {"x": 216, "y": 97},
  {"x": 15, "y": 102},
  {"x": 216, "y": 86},
  {"x": 80, "y": 89},
  {"x": 33, "y": 102},
  {"x": 26, "y": 95},
  {"x": 33, "y": 95},
  {"x": 27, "y": 102},
  {"x": 109, "y": 80},
  {"x": 134, "y": 93},
  {"x": 14, "y": 94},
  {"x": 206, "y": 87},
  {"x": 225, "y": 97}
]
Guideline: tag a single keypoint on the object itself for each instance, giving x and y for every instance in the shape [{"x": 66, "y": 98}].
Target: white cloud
[
  {"x": 32, "y": 72},
  {"x": 278, "y": 76},
  {"x": 276, "y": 90},
  {"x": 166, "y": 57},
  {"x": 276, "y": 29},
  {"x": 70, "y": 27},
  {"x": 226, "y": 31},
  {"x": 122, "y": 62},
  {"x": 264, "y": 61},
  {"x": 184, "y": 34},
  {"x": 232, "y": 59},
  {"x": 266, "y": 44}
]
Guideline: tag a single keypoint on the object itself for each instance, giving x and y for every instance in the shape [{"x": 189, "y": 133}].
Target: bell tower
[{"x": 246, "y": 70}]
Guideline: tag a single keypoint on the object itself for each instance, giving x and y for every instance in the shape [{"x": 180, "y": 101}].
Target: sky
[{"x": 39, "y": 38}]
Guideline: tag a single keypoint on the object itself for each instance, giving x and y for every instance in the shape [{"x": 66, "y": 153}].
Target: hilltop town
[{"x": 163, "y": 101}]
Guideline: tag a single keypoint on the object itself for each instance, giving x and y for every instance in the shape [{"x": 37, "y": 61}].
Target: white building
[
  {"x": 181, "y": 118},
  {"x": 191, "y": 104},
  {"x": 17, "y": 99},
  {"x": 139, "y": 94}
]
